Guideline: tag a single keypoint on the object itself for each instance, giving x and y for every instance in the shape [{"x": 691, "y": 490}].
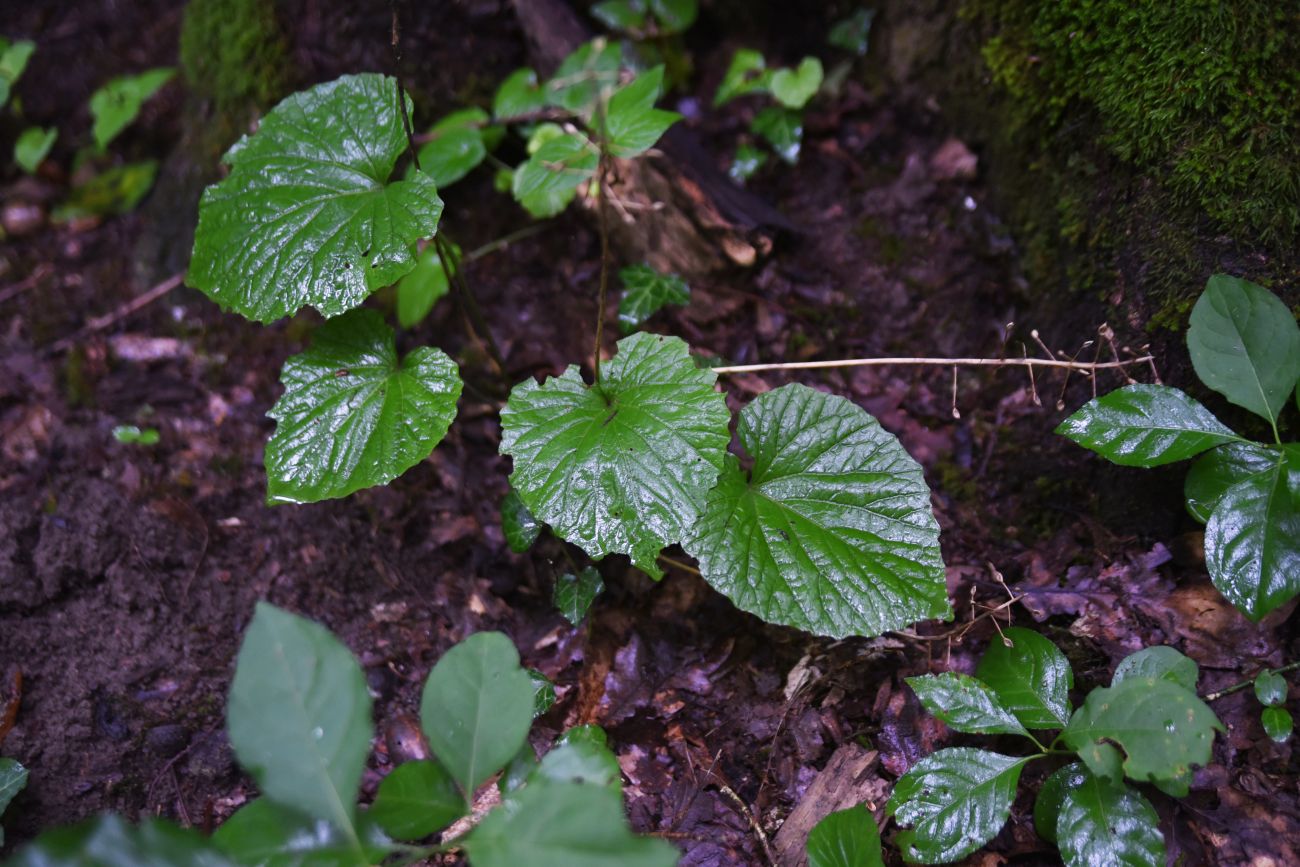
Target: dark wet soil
[{"x": 127, "y": 573}]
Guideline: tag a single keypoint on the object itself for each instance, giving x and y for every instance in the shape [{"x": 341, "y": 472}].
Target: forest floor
[{"x": 128, "y": 572}]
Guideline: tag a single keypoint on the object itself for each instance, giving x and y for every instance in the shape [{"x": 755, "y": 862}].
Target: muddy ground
[{"x": 127, "y": 573}]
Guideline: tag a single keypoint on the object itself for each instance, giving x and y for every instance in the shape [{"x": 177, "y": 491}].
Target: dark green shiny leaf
[
  {"x": 848, "y": 838},
  {"x": 13, "y": 777},
  {"x": 477, "y": 708},
  {"x": 549, "y": 180},
  {"x": 420, "y": 289},
  {"x": 645, "y": 292},
  {"x": 632, "y": 123},
  {"x": 108, "y": 841},
  {"x": 794, "y": 87},
  {"x": 543, "y": 692},
  {"x": 580, "y": 761},
  {"x": 307, "y": 216},
  {"x": 1047, "y": 804},
  {"x": 519, "y": 769},
  {"x": 115, "y": 105},
  {"x": 1104, "y": 824},
  {"x": 353, "y": 416},
  {"x": 1145, "y": 426},
  {"x": 782, "y": 128},
  {"x": 557, "y": 824},
  {"x": 520, "y": 527},
  {"x": 575, "y": 593},
  {"x": 623, "y": 466},
  {"x": 1252, "y": 543},
  {"x": 1212, "y": 474},
  {"x": 1164, "y": 663},
  {"x": 955, "y": 801},
  {"x": 1277, "y": 723},
  {"x": 417, "y": 799},
  {"x": 965, "y": 704},
  {"x": 1163, "y": 728},
  {"x": 1245, "y": 344},
  {"x": 1030, "y": 676},
  {"x": 267, "y": 834},
  {"x": 1270, "y": 689},
  {"x": 831, "y": 531},
  {"x": 299, "y": 716}
]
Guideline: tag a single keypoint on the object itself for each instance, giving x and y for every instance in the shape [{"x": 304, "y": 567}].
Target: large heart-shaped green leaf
[
  {"x": 477, "y": 708},
  {"x": 831, "y": 531},
  {"x": 110, "y": 841},
  {"x": 1252, "y": 542},
  {"x": 417, "y": 799},
  {"x": 623, "y": 466},
  {"x": 1214, "y": 473},
  {"x": 1146, "y": 426},
  {"x": 955, "y": 800},
  {"x": 352, "y": 415},
  {"x": 645, "y": 291},
  {"x": 1245, "y": 344},
  {"x": 1103, "y": 824},
  {"x": 965, "y": 704},
  {"x": 558, "y": 824},
  {"x": 794, "y": 87},
  {"x": 307, "y": 216},
  {"x": 1030, "y": 676},
  {"x": 847, "y": 838},
  {"x": 299, "y": 716},
  {"x": 632, "y": 123},
  {"x": 1163, "y": 728}
]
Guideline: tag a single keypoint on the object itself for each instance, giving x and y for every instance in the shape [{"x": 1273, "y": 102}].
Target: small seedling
[
  {"x": 1271, "y": 689},
  {"x": 1244, "y": 344},
  {"x": 115, "y": 105},
  {"x": 780, "y": 125},
  {"x": 133, "y": 435}
]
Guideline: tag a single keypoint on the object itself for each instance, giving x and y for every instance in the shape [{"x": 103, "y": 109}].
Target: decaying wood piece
[
  {"x": 842, "y": 784},
  {"x": 673, "y": 208}
]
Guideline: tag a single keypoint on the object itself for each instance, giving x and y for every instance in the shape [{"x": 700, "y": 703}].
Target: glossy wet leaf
[
  {"x": 581, "y": 77},
  {"x": 782, "y": 128},
  {"x": 1245, "y": 344},
  {"x": 417, "y": 799},
  {"x": 299, "y": 716},
  {"x": 965, "y": 704},
  {"x": 557, "y": 824},
  {"x": 477, "y": 708},
  {"x": 550, "y": 178},
  {"x": 1030, "y": 676},
  {"x": 954, "y": 801},
  {"x": 1277, "y": 723},
  {"x": 457, "y": 147},
  {"x": 271, "y": 835},
  {"x": 624, "y": 466},
  {"x": 747, "y": 73},
  {"x": 33, "y": 146},
  {"x": 831, "y": 531},
  {"x": 1163, "y": 663},
  {"x": 13, "y": 778},
  {"x": 1270, "y": 689},
  {"x": 1103, "y": 824},
  {"x": 420, "y": 289},
  {"x": 521, "y": 529},
  {"x": 794, "y": 87},
  {"x": 1047, "y": 804},
  {"x": 307, "y": 216},
  {"x": 352, "y": 415},
  {"x": 543, "y": 692},
  {"x": 575, "y": 593},
  {"x": 13, "y": 60},
  {"x": 852, "y": 33},
  {"x": 1163, "y": 729},
  {"x": 1252, "y": 543},
  {"x": 518, "y": 770},
  {"x": 110, "y": 841},
  {"x": 645, "y": 292},
  {"x": 746, "y": 163},
  {"x": 579, "y": 761},
  {"x": 115, "y": 191},
  {"x": 1145, "y": 426},
  {"x": 1214, "y": 473},
  {"x": 518, "y": 95},
  {"x": 115, "y": 105},
  {"x": 632, "y": 123},
  {"x": 847, "y": 838}
]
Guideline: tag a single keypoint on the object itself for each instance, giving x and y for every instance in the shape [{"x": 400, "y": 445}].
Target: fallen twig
[{"x": 99, "y": 323}]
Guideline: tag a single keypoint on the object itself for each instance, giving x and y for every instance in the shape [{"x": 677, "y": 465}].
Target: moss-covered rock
[{"x": 233, "y": 52}]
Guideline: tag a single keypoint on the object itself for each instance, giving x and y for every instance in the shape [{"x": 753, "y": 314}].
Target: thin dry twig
[
  {"x": 99, "y": 323},
  {"x": 936, "y": 362}
]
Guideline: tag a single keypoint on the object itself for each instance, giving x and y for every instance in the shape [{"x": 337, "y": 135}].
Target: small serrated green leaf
[
  {"x": 32, "y": 146},
  {"x": 632, "y": 123},
  {"x": 307, "y": 216},
  {"x": 415, "y": 800},
  {"x": 1213, "y": 473},
  {"x": 1163, "y": 728},
  {"x": 477, "y": 708},
  {"x": 1103, "y": 824},
  {"x": 1270, "y": 689},
  {"x": 518, "y": 95},
  {"x": 794, "y": 87},
  {"x": 955, "y": 801},
  {"x": 1245, "y": 344},
  {"x": 1277, "y": 723},
  {"x": 623, "y": 466},
  {"x": 299, "y": 716},
  {"x": 1164, "y": 663},
  {"x": 115, "y": 105},
  {"x": 575, "y": 593},
  {"x": 782, "y": 128},
  {"x": 1252, "y": 543},
  {"x": 352, "y": 416},
  {"x": 965, "y": 704},
  {"x": 847, "y": 838},
  {"x": 1146, "y": 426},
  {"x": 1030, "y": 676},
  {"x": 645, "y": 292},
  {"x": 747, "y": 73},
  {"x": 831, "y": 531},
  {"x": 549, "y": 179}
]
